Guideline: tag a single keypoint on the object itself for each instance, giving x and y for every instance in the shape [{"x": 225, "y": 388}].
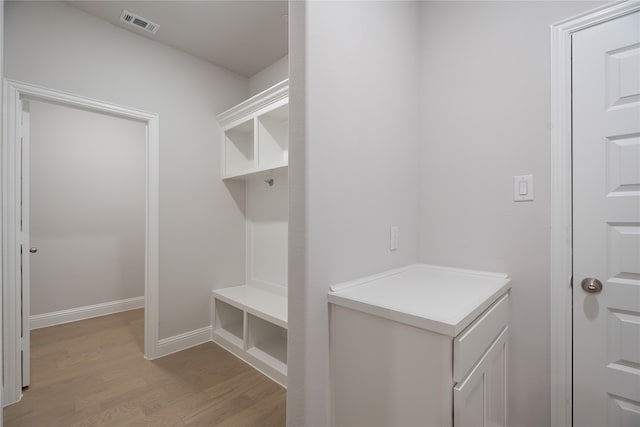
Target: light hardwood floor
[{"x": 92, "y": 373}]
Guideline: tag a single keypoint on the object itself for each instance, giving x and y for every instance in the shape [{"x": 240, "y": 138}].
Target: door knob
[
  {"x": 591, "y": 285},
  {"x": 33, "y": 250}
]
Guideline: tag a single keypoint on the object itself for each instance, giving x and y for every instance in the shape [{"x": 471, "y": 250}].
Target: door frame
[
  {"x": 14, "y": 91},
  {"x": 561, "y": 203}
]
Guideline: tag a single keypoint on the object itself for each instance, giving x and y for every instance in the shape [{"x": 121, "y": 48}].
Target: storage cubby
[
  {"x": 267, "y": 342},
  {"x": 239, "y": 148},
  {"x": 263, "y": 315},
  {"x": 273, "y": 137},
  {"x": 229, "y": 323},
  {"x": 256, "y": 134}
]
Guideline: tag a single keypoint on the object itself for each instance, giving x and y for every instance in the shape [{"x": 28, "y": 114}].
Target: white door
[{"x": 606, "y": 224}]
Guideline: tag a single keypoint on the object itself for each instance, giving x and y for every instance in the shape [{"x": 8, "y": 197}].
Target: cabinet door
[{"x": 480, "y": 399}]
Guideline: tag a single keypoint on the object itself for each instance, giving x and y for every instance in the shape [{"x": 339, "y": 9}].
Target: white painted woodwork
[
  {"x": 2, "y": 109},
  {"x": 252, "y": 324},
  {"x": 561, "y": 202},
  {"x": 406, "y": 343},
  {"x": 480, "y": 399},
  {"x": 606, "y": 222},
  {"x": 256, "y": 134},
  {"x": 386, "y": 374},
  {"x": 266, "y": 214},
  {"x": 60, "y": 317},
  {"x": 268, "y": 305},
  {"x": 250, "y": 320},
  {"x": 473, "y": 341},
  {"x": 183, "y": 341},
  {"x": 13, "y": 94},
  {"x": 25, "y": 241}
]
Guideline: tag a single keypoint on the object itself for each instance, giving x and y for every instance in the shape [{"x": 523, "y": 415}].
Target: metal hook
[{"x": 269, "y": 181}]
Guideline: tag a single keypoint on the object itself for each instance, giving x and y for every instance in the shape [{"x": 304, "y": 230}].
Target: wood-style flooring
[{"x": 92, "y": 373}]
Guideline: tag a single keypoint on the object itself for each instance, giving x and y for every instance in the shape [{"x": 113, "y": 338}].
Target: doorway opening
[
  {"x": 19, "y": 246},
  {"x": 83, "y": 210}
]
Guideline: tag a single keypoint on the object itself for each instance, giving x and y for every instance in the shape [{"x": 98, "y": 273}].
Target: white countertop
[{"x": 440, "y": 299}]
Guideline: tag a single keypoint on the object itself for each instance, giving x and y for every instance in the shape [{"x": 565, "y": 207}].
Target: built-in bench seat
[{"x": 251, "y": 323}]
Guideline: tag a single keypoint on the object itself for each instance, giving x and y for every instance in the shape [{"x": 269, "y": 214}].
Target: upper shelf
[{"x": 255, "y": 137}]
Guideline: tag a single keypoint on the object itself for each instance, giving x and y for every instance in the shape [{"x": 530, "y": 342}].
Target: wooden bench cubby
[{"x": 252, "y": 324}]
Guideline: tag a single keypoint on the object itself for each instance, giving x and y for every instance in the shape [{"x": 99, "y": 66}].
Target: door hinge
[{"x": 571, "y": 283}]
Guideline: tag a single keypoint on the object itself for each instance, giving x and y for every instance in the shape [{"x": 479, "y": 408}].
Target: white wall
[
  {"x": 485, "y": 108},
  {"x": 201, "y": 222},
  {"x": 355, "y": 135},
  {"x": 87, "y": 207},
  {"x": 274, "y": 73},
  {"x": 470, "y": 82}
]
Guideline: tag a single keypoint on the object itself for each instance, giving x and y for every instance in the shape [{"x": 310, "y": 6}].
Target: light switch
[{"x": 523, "y": 188}]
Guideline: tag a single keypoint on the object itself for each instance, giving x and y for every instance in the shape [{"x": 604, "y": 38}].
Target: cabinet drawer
[{"x": 471, "y": 343}]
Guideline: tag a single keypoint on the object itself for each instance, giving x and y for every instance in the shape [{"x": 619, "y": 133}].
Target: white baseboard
[
  {"x": 87, "y": 312},
  {"x": 176, "y": 343}
]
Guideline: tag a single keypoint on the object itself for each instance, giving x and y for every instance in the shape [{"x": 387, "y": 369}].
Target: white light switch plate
[{"x": 522, "y": 188}]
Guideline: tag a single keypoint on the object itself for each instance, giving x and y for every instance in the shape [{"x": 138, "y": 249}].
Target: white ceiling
[{"x": 241, "y": 36}]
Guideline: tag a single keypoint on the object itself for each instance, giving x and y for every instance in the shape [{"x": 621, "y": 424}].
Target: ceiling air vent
[{"x": 139, "y": 22}]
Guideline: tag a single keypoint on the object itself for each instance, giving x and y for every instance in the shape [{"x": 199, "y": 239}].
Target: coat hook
[{"x": 269, "y": 181}]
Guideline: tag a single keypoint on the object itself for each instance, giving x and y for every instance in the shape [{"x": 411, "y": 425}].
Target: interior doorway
[
  {"x": 83, "y": 208},
  {"x": 17, "y": 247}
]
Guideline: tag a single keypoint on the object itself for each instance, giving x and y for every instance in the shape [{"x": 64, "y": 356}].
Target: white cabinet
[
  {"x": 250, "y": 319},
  {"x": 420, "y": 346},
  {"x": 480, "y": 398},
  {"x": 256, "y": 134}
]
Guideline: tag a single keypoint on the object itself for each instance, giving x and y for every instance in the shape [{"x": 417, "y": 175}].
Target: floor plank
[{"x": 92, "y": 373}]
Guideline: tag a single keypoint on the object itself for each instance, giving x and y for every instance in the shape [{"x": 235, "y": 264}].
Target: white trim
[
  {"x": 180, "y": 342},
  {"x": 87, "y": 312},
  {"x": 152, "y": 253},
  {"x": 272, "y": 97},
  {"x": 10, "y": 248},
  {"x": 13, "y": 91},
  {"x": 561, "y": 194},
  {"x": 25, "y": 259},
  {"x": 1, "y": 249}
]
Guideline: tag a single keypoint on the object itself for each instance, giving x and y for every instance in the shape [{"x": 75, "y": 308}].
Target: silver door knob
[
  {"x": 33, "y": 250},
  {"x": 591, "y": 285}
]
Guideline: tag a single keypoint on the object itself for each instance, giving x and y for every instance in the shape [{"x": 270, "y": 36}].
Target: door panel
[
  {"x": 606, "y": 222},
  {"x": 623, "y": 412}
]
